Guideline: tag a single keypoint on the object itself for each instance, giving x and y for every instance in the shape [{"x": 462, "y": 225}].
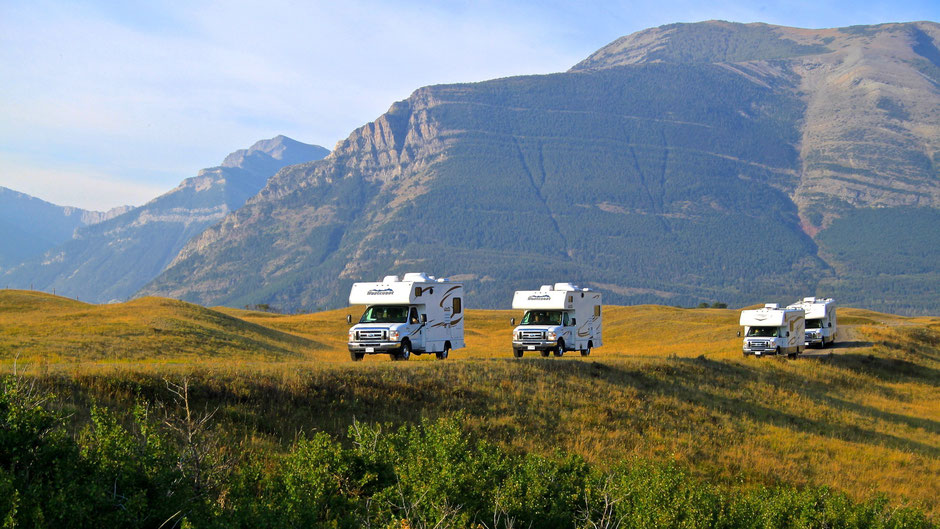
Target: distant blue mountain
[
  {"x": 112, "y": 259},
  {"x": 29, "y": 226}
]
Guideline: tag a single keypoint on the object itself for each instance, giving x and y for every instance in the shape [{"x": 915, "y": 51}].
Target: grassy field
[{"x": 669, "y": 384}]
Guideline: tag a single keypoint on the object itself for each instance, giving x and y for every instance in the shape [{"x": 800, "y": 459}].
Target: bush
[{"x": 132, "y": 471}]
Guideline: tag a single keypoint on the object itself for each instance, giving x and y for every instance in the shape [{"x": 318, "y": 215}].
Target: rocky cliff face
[
  {"x": 114, "y": 258},
  {"x": 687, "y": 163},
  {"x": 871, "y": 129}
]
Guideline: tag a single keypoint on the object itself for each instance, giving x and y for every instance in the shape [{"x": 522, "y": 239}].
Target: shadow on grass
[{"x": 684, "y": 378}]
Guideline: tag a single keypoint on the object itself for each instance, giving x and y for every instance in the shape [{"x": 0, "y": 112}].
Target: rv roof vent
[
  {"x": 810, "y": 300},
  {"x": 565, "y": 286},
  {"x": 443, "y": 280},
  {"x": 390, "y": 279},
  {"x": 771, "y": 305},
  {"x": 416, "y": 276},
  {"x": 545, "y": 288}
]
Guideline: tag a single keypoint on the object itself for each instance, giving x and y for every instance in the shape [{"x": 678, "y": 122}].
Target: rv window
[
  {"x": 567, "y": 320},
  {"x": 417, "y": 292},
  {"x": 813, "y": 324},
  {"x": 384, "y": 314},
  {"x": 413, "y": 317},
  {"x": 570, "y": 299},
  {"x": 597, "y": 311},
  {"x": 762, "y": 332},
  {"x": 456, "y": 306},
  {"x": 542, "y": 317}
]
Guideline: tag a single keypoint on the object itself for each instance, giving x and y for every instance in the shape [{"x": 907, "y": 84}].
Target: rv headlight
[
  {"x": 394, "y": 335},
  {"x": 352, "y": 335},
  {"x": 552, "y": 335}
]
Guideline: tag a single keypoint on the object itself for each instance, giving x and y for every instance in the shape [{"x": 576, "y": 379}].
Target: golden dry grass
[
  {"x": 668, "y": 383},
  {"x": 40, "y": 327}
]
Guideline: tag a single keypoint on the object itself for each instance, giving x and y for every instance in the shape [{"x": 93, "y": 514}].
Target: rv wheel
[
  {"x": 517, "y": 353},
  {"x": 443, "y": 354},
  {"x": 560, "y": 349},
  {"x": 586, "y": 352},
  {"x": 356, "y": 356},
  {"x": 544, "y": 353},
  {"x": 404, "y": 353}
]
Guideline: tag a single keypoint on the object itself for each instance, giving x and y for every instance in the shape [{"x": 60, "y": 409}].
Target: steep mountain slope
[
  {"x": 113, "y": 259},
  {"x": 684, "y": 163},
  {"x": 29, "y": 226}
]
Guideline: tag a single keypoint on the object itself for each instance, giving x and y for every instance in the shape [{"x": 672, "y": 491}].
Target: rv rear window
[
  {"x": 597, "y": 311},
  {"x": 456, "y": 306}
]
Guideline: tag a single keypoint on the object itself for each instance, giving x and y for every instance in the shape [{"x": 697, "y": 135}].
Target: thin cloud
[{"x": 148, "y": 93}]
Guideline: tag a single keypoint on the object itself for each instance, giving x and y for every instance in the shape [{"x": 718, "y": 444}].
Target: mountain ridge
[
  {"x": 30, "y": 225},
  {"x": 114, "y": 258},
  {"x": 618, "y": 170}
]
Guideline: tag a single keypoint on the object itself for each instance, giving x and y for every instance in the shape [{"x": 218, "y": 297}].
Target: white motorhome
[
  {"x": 820, "y": 320},
  {"x": 557, "y": 318},
  {"x": 415, "y": 314},
  {"x": 772, "y": 330}
]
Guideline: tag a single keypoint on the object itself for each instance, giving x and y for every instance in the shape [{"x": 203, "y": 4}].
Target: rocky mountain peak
[{"x": 273, "y": 153}]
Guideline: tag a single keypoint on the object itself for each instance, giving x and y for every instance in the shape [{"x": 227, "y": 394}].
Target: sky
[{"x": 106, "y": 103}]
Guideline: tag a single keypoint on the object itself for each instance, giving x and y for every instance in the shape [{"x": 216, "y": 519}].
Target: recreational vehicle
[
  {"x": 557, "y": 318},
  {"x": 820, "y": 320},
  {"x": 415, "y": 314},
  {"x": 772, "y": 330}
]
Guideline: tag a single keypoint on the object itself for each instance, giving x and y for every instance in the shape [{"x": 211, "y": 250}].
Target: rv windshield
[
  {"x": 385, "y": 314},
  {"x": 762, "y": 332},
  {"x": 542, "y": 317},
  {"x": 813, "y": 324}
]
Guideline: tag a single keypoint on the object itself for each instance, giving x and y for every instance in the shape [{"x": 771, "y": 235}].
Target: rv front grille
[
  {"x": 377, "y": 334},
  {"x": 532, "y": 335}
]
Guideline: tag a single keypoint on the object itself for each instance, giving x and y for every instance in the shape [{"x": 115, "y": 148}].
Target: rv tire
[
  {"x": 544, "y": 353},
  {"x": 517, "y": 353},
  {"x": 560, "y": 348},
  {"x": 356, "y": 356},
  {"x": 404, "y": 353},
  {"x": 586, "y": 352},
  {"x": 444, "y": 354}
]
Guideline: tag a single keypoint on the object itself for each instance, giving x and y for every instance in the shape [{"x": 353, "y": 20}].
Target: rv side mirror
[
  {"x": 574, "y": 321},
  {"x": 739, "y": 334},
  {"x": 788, "y": 334},
  {"x": 512, "y": 321},
  {"x": 348, "y": 319},
  {"x": 424, "y": 318},
  {"x": 830, "y": 324}
]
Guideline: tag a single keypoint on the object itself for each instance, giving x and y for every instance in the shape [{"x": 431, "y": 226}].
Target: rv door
[{"x": 416, "y": 330}]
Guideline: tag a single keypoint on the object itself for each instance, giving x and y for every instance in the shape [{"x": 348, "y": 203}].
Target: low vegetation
[{"x": 666, "y": 424}]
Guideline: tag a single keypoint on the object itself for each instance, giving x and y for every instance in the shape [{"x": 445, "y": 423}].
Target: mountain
[
  {"x": 29, "y": 226},
  {"x": 692, "y": 162},
  {"x": 113, "y": 259}
]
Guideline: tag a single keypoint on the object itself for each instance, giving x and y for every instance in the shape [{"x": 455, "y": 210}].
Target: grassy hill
[
  {"x": 668, "y": 385},
  {"x": 38, "y": 327}
]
